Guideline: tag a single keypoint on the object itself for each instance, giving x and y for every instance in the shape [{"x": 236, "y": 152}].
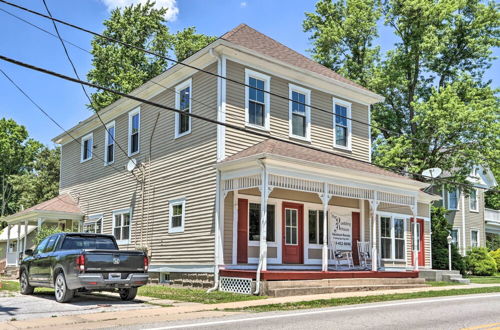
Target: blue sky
[{"x": 65, "y": 101}]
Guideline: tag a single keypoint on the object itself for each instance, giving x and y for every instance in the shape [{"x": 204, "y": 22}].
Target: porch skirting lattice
[{"x": 236, "y": 285}]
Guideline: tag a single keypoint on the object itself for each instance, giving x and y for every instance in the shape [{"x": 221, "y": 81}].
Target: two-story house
[
  {"x": 209, "y": 199},
  {"x": 466, "y": 210}
]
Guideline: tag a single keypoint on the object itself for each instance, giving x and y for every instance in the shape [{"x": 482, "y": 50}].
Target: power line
[
  {"x": 50, "y": 117},
  {"x": 213, "y": 121},
  {"x": 83, "y": 87},
  {"x": 427, "y": 143}
]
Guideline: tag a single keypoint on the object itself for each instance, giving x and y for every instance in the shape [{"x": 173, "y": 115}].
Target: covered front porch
[
  {"x": 20, "y": 234},
  {"x": 325, "y": 217}
]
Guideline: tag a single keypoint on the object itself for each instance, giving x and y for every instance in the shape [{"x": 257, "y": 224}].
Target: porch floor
[{"x": 280, "y": 275}]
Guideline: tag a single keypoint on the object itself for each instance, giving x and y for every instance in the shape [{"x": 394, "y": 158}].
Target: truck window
[
  {"x": 39, "y": 249},
  {"x": 50, "y": 244},
  {"x": 82, "y": 242}
]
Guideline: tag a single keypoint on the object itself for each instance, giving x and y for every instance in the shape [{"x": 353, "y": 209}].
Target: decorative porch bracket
[
  {"x": 374, "y": 203},
  {"x": 325, "y": 199}
]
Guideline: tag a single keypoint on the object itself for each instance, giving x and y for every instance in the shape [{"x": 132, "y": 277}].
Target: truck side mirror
[{"x": 28, "y": 252}]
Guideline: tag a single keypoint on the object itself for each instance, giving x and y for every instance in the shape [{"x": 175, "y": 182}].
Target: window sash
[
  {"x": 392, "y": 238},
  {"x": 473, "y": 200},
  {"x": 110, "y": 144},
  {"x": 474, "y": 238},
  {"x": 453, "y": 200},
  {"x": 291, "y": 227},
  {"x": 87, "y": 148},
  {"x": 316, "y": 229},
  {"x": 134, "y": 131},
  {"x": 177, "y": 216},
  {"x": 185, "y": 106},
  {"x": 121, "y": 229},
  {"x": 342, "y": 125},
  {"x": 254, "y": 222},
  {"x": 256, "y": 99}
]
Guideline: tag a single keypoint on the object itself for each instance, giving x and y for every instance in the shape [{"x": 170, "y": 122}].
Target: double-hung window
[
  {"x": 341, "y": 124},
  {"x": 121, "y": 226},
  {"x": 177, "y": 214},
  {"x": 87, "y": 145},
  {"x": 257, "y": 101},
  {"x": 316, "y": 228},
  {"x": 254, "y": 222},
  {"x": 93, "y": 224},
  {"x": 473, "y": 203},
  {"x": 183, "y": 103},
  {"x": 454, "y": 237},
  {"x": 474, "y": 238},
  {"x": 134, "y": 127},
  {"x": 109, "y": 144},
  {"x": 392, "y": 238},
  {"x": 453, "y": 199},
  {"x": 299, "y": 112}
]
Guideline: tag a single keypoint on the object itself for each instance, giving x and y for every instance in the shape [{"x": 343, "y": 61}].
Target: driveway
[{"x": 40, "y": 305}]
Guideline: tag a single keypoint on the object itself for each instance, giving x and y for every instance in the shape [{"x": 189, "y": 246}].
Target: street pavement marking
[
  {"x": 324, "y": 311},
  {"x": 484, "y": 326}
]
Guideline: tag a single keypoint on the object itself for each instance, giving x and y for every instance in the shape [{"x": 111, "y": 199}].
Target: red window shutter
[
  {"x": 356, "y": 236},
  {"x": 242, "y": 231}
]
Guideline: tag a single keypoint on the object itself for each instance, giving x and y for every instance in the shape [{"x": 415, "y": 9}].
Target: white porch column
[
  {"x": 18, "y": 243},
  {"x": 325, "y": 198},
  {"x": 8, "y": 244},
  {"x": 414, "y": 238},
  {"x": 264, "y": 193},
  {"x": 25, "y": 236},
  {"x": 373, "y": 208}
]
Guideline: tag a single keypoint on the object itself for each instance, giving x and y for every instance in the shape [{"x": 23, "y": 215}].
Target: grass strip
[
  {"x": 484, "y": 279},
  {"x": 362, "y": 300}
]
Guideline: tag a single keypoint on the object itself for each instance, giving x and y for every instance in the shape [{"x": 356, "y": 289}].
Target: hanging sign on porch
[{"x": 341, "y": 230}]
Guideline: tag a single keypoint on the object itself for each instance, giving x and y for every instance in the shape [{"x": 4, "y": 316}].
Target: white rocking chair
[
  {"x": 364, "y": 254},
  {"x": 338, "y": 255}
]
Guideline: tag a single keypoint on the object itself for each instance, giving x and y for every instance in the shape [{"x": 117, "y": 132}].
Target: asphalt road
[
  {"x": 456, "y": 312},
  {"x": 40, "y": 305}
]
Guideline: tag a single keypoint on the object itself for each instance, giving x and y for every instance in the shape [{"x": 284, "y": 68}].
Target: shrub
[
  {"x": 46, "y": 231},
  {"x": 496, "y": 255},
  {"x": 479, "y": 262},
  {"x": 440, "y": 231}
]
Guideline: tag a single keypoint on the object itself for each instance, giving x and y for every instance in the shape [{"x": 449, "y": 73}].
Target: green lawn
[
  {"x": 363, "y": 300},
  {"x": 9, "y": 286},
  {"x": 193, "y": 295},
  {"x": 485, "y": 279}
]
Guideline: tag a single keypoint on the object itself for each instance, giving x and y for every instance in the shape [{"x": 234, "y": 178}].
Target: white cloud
[
  {"x": 243, "y": 4},
  {"x": 171, "y": 14}
]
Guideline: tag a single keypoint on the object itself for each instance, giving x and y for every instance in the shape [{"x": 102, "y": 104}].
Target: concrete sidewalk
[{"x": 183, "y": 311}]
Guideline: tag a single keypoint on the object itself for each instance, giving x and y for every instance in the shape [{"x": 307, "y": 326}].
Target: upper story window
[
  {"x": 183, "y": 103},
  {"x": 473, "y": 202},
  {"x": 134, "y": 127},
  {"x": 109, "y": 144},
  {"x": 121, "y": 226},
  {"x": 177, "y": 212},
  {"x": 453, "y": 199},
  {"x": 257, "y": 101},
  {"x": 87, "y": 144},
  {"x": 342, "y": 125},
  {"x": 299, "y": 112}
]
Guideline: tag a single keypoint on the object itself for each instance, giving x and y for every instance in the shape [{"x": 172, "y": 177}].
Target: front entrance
[
  {"x": 292, "y": 229},
  {"x": 420, "y": 241}
]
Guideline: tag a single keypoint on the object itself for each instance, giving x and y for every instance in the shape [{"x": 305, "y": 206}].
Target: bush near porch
[
  {"x": 479, "y": 262},
  {"x": 440, "y": 230},
  {"x": 496, "y": 255}
]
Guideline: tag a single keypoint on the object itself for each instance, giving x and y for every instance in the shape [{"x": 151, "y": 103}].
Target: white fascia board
[
  {"x": 236, "y": 51},
  {"x": 168, "y": 79}
]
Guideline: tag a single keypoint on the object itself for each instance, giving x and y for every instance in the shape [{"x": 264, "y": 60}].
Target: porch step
[
  {"x": 443, "y": 275},
  {"x": 10, "y": 272},
  {"x": 344, "y": 282},
  {"x": 455, "y": 278},
  {"x": 297, "y": 291}
]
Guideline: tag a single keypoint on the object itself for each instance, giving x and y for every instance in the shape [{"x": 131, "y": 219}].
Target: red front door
[
  {"x": 293, "y": 228},
  {"x": 420, "y": 242}
]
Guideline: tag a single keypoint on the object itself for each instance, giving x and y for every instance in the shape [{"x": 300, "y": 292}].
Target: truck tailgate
[{"x": 114, "y": 261}]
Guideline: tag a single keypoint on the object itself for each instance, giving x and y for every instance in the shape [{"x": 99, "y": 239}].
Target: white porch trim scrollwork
[{"x": 266, "y": 181}]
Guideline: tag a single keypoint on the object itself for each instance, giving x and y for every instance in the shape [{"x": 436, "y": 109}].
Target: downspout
[{"x": 217, "y": 192}]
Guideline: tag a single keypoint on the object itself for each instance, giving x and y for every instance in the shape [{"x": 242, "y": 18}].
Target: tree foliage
[
  {"x": 124, "y": 68},
  {"x": 441, "y": 228},
  {"x": 436, "y": 101}
]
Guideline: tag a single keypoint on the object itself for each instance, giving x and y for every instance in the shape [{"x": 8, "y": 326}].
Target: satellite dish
[
  {"x": 433, "y": 173},
  {"x": 131, "y": 165}
]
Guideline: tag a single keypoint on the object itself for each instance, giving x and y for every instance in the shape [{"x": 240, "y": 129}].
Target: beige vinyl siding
[
  {"x": 179, "y": 168},
  {"x": 321, "y": 122}
]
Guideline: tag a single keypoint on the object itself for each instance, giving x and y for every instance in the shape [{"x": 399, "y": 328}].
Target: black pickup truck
[{"x": 71, "y": 262}]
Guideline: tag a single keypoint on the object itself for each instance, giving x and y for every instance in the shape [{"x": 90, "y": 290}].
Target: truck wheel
[
  {"x": 62, "y": 293},
  {"x": 26, "y": 288},
  {"x": 128, "y": 294}
]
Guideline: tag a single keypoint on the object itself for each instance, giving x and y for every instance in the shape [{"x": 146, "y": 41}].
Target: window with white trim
[
  {"x": 183, "y": 103},
  {"x": 316, "y": 226},
  {"x": 474, "y": 238},
  {"x": 134, "y": 127},
  {"x": 392, "y": 238},
  {"x": 455, "y": 237},
  {"x": 291, "y": 227},
  {"x": 87, "y": 145},
  {"x": 299, "y": 112},
  {"x": 342, "y": 125},
  {"x": 122, "y": 220},
  {"x": 254, "y": 222},
  {"x": 93, "y": 224},
  {"x": 109, "y": 144},
  {"x": 177, "y": 214},
  {"x": 453, "y": 199},
  {"x": 473, "y": 202},
  {"x": 257, "y": 101}
]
